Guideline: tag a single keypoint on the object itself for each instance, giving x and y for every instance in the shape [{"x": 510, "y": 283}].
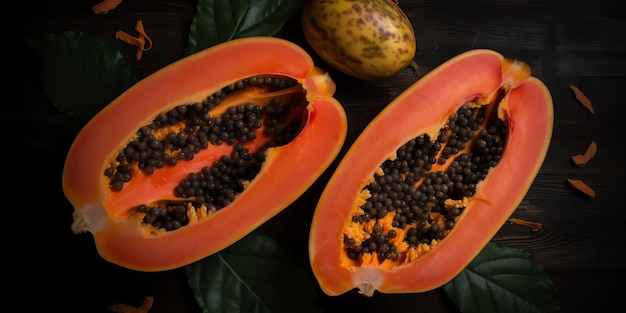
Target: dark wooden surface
[{"x": 582, "y": 244}]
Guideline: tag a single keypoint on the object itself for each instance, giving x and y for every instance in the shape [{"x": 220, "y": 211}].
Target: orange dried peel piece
[
  {"x": 126, "y": 308},
  {"x": 142, "y": 34},
  {"x": 581, "y": 186},
  {"x": 581, "y": 159},
  {"x": 582, "y": 98},
  {"x": 139, "y": 42},
  {"x": 534, "y": 226},
  {"x": 105, "y": 6}
]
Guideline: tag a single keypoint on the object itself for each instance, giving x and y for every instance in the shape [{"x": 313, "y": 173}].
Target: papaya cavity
[
  {"x": 417, "y": 196},
  {"x": 196, "y": 158}
]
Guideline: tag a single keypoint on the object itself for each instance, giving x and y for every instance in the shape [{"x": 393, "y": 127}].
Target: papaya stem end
[
  {"x": 416, "y": 71},
  {"x": 79, "y": 225}
]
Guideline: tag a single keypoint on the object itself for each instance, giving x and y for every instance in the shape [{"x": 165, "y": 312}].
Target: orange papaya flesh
[
  {"x": 432, "y": 178},
  {"x": 197, "y": 155}
]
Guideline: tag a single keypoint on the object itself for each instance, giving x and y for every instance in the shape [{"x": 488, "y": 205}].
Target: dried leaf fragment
[
  {"x": 139, "y": 42},
  {"x": 581, "y": 159},
  {"x": 582, "y": 186},
  {"x": 591, "y": 150},
  {"x": 534, "y": 226},
  {"x": 105, "y": 6},
  {"x": 582, "y": 98},
  {"x": 126, "y": 308}
]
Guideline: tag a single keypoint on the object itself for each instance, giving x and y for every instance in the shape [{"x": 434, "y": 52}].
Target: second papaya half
[
  {"x": 197, "y": 155},
  {"x": 432, "y": 178}
]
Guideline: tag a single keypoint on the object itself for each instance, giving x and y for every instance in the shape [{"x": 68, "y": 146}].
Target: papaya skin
[
  {"x": 428, "y": 104},
  {"x": 366, "y": 39},
  {"x": 286, "y": 173}
]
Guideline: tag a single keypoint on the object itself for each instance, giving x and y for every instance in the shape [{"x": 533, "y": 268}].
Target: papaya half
[
  {"x": 200, "y": 153},
  {"x": 432, "y": 178}
]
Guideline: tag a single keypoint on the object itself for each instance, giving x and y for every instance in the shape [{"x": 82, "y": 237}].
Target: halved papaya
[
  {"x": 432, "y": 178},
  {"x": 197, "y": 155}
]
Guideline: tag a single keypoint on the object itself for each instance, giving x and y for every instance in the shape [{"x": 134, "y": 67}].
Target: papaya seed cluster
[
  {"x": 179, "y": 134},
  {"x": 420, "y": 193}
]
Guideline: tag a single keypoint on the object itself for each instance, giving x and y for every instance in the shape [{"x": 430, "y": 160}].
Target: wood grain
[{"x": 581, "y": 244}]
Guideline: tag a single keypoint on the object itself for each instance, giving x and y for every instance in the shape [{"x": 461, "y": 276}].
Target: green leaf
[
  {"x": 217, "y": 21},
  {"x": 503, "y": 279},
  {"x": 81, "y": 73},
  {"x": 254, "y": 275}
]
